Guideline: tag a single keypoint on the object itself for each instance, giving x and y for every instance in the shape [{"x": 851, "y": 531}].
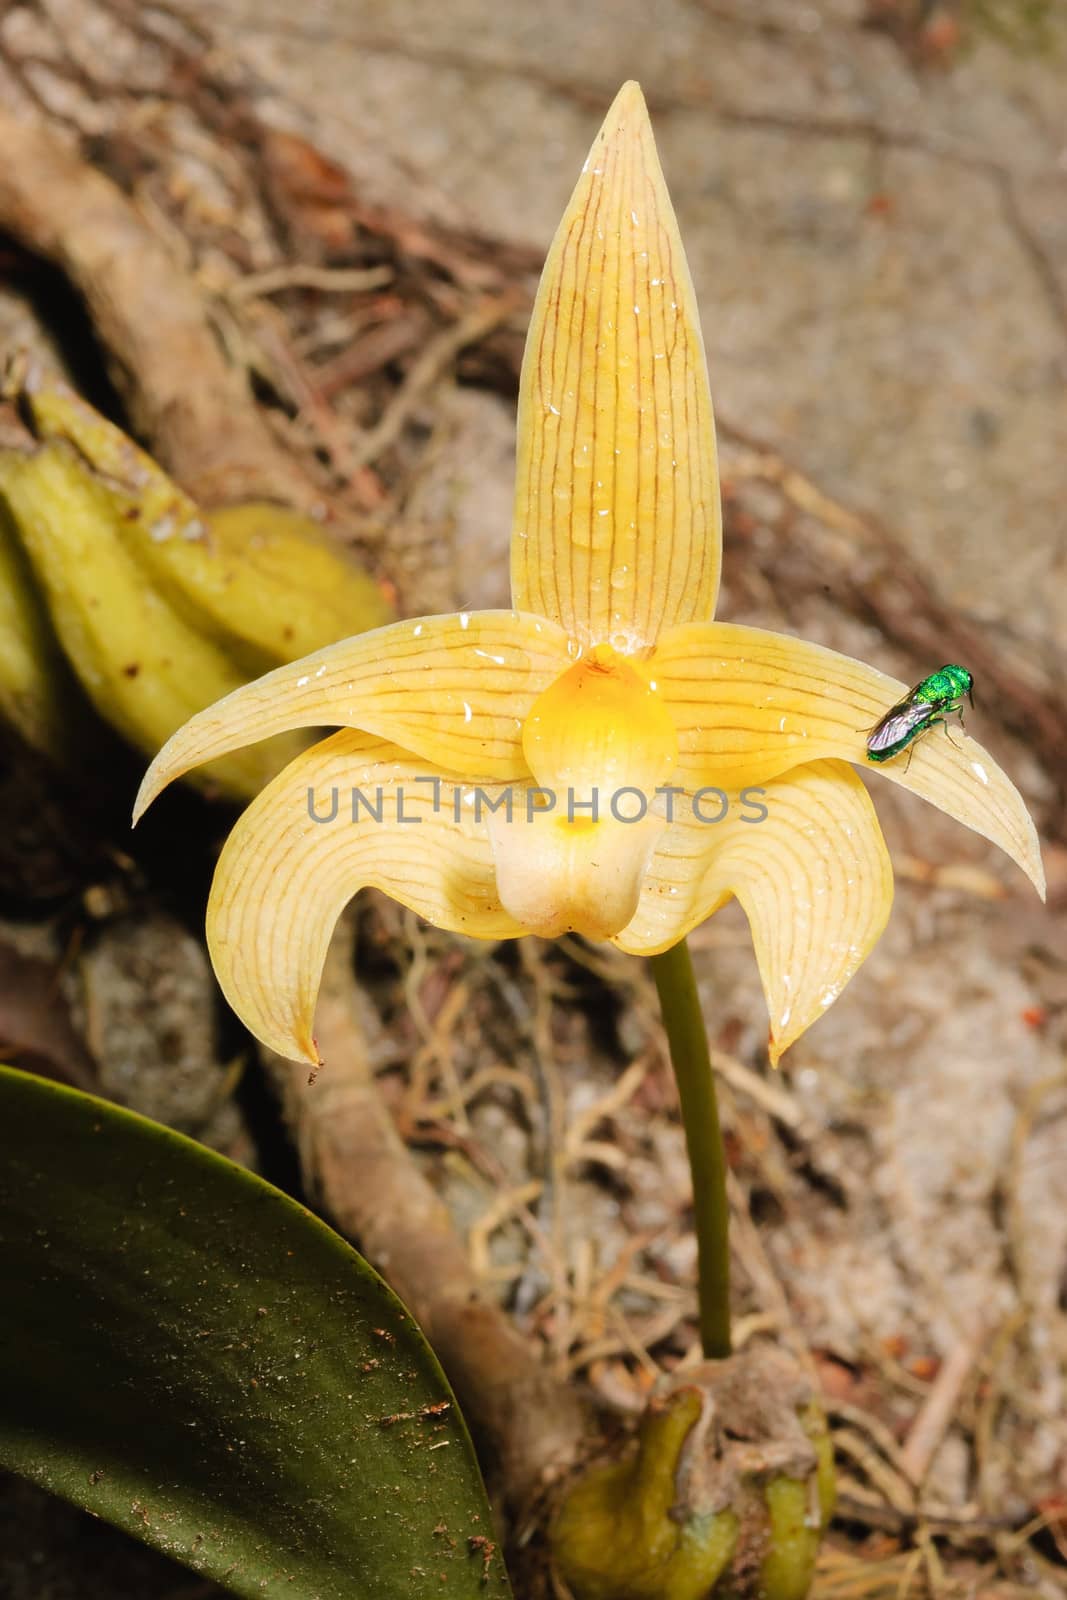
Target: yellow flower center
[
  {"x": 601, "y": 726},
  {"x": 600, "y": 743}
]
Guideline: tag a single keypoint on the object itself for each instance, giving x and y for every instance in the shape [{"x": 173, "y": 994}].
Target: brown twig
[
  {"x": 307, "y": 275},
  {"x": 427, "y": 368},
  {"x": 935, "y": 1414},
  {"x": 185, "y": 400}
]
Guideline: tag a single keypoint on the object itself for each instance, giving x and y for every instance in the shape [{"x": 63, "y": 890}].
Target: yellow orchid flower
[{"x": 564, "y": 766}]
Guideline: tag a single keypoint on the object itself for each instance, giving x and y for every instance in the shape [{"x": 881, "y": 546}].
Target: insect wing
[{"x": 899, "y": 726}]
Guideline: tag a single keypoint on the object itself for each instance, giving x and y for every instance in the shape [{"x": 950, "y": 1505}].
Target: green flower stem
[{"x": 688, "y": 1040}]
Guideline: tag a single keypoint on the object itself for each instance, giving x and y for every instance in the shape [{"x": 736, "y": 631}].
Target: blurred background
[{"x": 358, "y": 194}]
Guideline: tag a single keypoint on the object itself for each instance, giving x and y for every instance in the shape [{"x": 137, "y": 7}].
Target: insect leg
[
  {"x": 944, "y": 722},
  {"x": 933, "y": 723},
  {"x": 957, "y": 710}
]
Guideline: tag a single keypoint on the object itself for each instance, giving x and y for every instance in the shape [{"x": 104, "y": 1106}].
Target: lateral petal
[
  {"x": 305, "y": 846},
  {"x": 617, "y": 523},
  {"x": 750, "y": 704},
  {"x": 454, "y": 689},
  {"x": 813, "y": 875}
]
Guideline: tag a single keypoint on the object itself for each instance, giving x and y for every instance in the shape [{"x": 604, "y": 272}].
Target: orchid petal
[
  {"x": 750, "y": 704},
  {"x": 617, "y": 524},
  {"x": 560, "y": 873},
  {"x": 350, "y": 812},
  {"x": 813, "y": 876},
  {"x": 453, "y": 689}
]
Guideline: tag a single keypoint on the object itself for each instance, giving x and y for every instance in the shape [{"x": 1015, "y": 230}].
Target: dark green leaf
[{"x": 193, "y": 1356}]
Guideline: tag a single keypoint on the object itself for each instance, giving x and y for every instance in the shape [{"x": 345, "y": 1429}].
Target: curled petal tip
[
  {"x": 295, "y": 1041},
  {"x": 146, "y": 793},
  {"x": 1034, "y": 867},
  {"x": 164, "y": 768}
]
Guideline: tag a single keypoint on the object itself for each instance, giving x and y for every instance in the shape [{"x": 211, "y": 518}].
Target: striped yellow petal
[
  {"x": 350, "y": 812},
  {"x": 453, "y": 689},
  {"x": 599, "y": 727},
  {"x": 750, "y": 704},
  {"x": 617, "y": 525},
  {"x": 813, "y": 875}
]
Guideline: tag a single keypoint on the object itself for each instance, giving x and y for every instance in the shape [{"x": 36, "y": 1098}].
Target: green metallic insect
[{"x": 936, "y": 698}]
